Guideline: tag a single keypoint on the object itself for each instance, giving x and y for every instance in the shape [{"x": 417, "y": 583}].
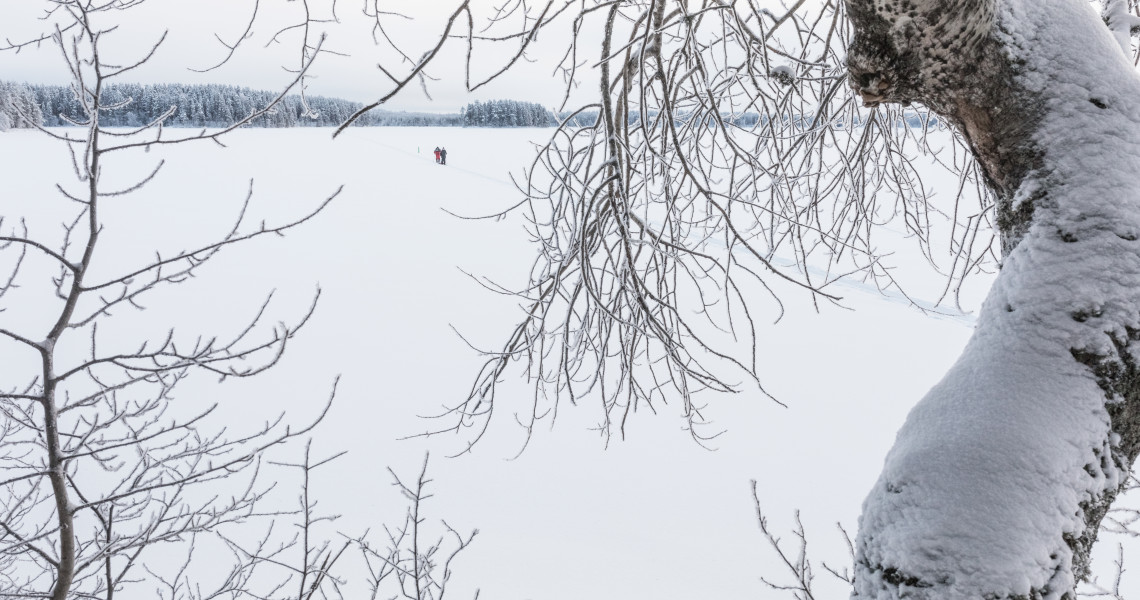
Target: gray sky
[{"x": 191, "y": 26}]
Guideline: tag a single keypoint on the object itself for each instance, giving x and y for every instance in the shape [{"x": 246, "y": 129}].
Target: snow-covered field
[{"x": 651, "y": 517}]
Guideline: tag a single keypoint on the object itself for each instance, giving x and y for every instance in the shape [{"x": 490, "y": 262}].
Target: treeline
[
  {"x": 183, "y": 105},
  {"x": 751, "y": 119},
  {"x": 588, "y": 118},
  {"x": 507, "y": 113},
  {"x": 213, "y": 105}
]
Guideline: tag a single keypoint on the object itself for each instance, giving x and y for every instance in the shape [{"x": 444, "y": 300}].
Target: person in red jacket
[{"x": 437, "y": 154}]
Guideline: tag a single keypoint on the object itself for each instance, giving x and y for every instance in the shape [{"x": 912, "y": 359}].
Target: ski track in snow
[
  {"x": 424, "y": 158},
  {"x": 928, "y": 307}
]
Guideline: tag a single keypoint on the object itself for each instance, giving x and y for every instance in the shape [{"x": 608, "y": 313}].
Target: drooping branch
[{"x": 722, "y": 159}]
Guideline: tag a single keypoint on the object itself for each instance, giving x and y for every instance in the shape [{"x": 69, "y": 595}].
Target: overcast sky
[{"x": 190, "y": 43}]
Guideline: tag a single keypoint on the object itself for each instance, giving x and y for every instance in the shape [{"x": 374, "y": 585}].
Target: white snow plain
[{"x": 654, "y": 516}]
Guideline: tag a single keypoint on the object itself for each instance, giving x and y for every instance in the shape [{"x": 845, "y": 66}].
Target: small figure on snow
[
  {"x": 437, "y": 154},
  {"x": 443, "y": 156}
]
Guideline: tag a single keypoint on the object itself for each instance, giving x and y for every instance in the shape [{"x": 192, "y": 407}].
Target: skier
[
  {"x": 437, "y": 154},
  {"x": 443, "y": 156}
]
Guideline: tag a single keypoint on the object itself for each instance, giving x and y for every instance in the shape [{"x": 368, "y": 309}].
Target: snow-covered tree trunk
[{"x": 1001, "y": 475}]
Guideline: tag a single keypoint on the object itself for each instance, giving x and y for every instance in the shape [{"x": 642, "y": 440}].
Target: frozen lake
[{"x": 651, "y": 517}]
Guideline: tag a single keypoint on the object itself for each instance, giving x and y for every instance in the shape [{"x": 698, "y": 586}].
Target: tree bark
[{"x": 1001, "y": 475}]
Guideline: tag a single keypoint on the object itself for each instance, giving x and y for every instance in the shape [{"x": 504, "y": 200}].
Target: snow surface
[
  {"x": 651, "y": 517},
  {"x": 990, "y": 468}
]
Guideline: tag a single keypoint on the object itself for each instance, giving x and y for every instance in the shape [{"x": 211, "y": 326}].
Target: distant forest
[
  {"x": 214, "y": 105},
  {"x": 210, "y": 105},
  {"x": 749, "y": 120},
  {"x": 507, "y": 113},
  {"x": 23, "y": 105}
]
